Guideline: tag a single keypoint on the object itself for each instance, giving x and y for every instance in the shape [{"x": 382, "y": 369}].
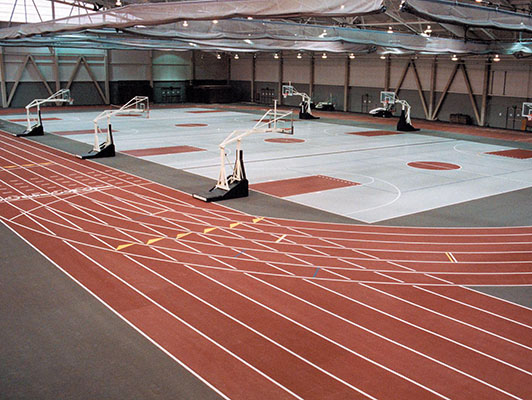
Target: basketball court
[{"x": 378, "y": 174}]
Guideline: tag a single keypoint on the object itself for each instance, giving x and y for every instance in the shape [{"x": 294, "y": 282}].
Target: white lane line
[
  {"x": 182, "y": 321},
  {"x": 194, "y": 373}
]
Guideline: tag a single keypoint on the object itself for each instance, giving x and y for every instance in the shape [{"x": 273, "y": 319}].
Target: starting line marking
[
  {"x": 123, "y": 246},
  {"x": 257, "y": 220},
  {"x": 154, "y": 240},
  {"x": 182, "y": 235},
  {"x": 234, "y": 224},
  {"x": 28, "y": 165},
  {"x": 281, "y": 238},
  {"x": 54, "y": 193},
  {"x": 451, "y": 257},
  {"x": 207, "y": 230}
]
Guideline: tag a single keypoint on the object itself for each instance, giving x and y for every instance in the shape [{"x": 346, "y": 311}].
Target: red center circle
[
  {"x": 433, "y": 165},
  {"x": 284, "y": 140},
  {"x": 190, "y": 125}
]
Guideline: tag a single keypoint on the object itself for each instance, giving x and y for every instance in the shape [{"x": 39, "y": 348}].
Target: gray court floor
[{"x": 389, "y": 187}]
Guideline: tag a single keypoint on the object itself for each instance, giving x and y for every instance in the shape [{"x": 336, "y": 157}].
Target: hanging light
[
  {"x": 496, "y": 58},
  {"x": 218, "y": 56},
  {"x": 236, "y": 57},
  {"x": 276, "y": 55},
  {"x": 351, "y": 55},
  {"x": 118, "y": 3},
  {"x": 454, "y": 57},
  {"x": 214, "y": 21},
  {"x": 427, "y": 31},
  {"x": 299, "y": 55},
  {"x": 324, "y": 55},
  {"x": 390, "y": 29},
  {"x": 250, "y": 18},
  {"x": 185, "y": 24},
  {"x": 383, "y": 57}
]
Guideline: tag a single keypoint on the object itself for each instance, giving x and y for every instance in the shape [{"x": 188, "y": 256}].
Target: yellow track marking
[
  {"x": 10, "y": 166},
  {"x": 451, "y": 257},
  {"x": 207, "y": 230},
  {"x": 29, "y": 165},
  {"x": 182, "y": 235},
  {"x": 234, "y": 224},
  {"x": 257, "y": 220},
  {"x": 281, "y": 238},
  {"x": 123, "y": 246},
  {"x": 154, "y": 240}
]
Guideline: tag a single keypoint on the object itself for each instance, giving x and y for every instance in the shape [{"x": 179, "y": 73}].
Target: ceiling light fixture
[
  {"x": 214, "y": 21},
  {"x": 351, "y": 55},
  {"x": 276, "y": 55},
  {"x": 454, "y": 57},
  {"x": 390, "y": 29},
  {"x": 118, "y": 3},
  {"x": 218, "y": 56},
  {"x": 496, "y": 58},
  {"x": 383, "y": 57},
  {"x": 236, "y": 57},
  {"x": 185, "y": 24},
  {"x": 299, "y": 55},
  {"x": 324, "y": 55}
]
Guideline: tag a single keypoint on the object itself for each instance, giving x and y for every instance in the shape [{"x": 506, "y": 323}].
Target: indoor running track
[{"x": 269, "y": 309}]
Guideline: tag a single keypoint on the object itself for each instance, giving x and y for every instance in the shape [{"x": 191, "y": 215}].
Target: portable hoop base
[
  {"x": 306, "y": 115},
  {"x": 105, "y": 151},
  {"x": 236, "y": 190},
  {"x": 35, "y": 130},
  {"x": 404, "y": 126}
]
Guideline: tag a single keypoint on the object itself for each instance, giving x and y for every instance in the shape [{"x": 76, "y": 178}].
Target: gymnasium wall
[
  {"x": 509, "y": 83},
  {"x": 163, "y": 75},
  {"x": 166, "y": 76}
]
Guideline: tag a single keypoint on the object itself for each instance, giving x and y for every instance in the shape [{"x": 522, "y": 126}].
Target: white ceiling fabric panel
[
  {"x": 162, "y": 13},
  {"x": 453, "y": 12}
]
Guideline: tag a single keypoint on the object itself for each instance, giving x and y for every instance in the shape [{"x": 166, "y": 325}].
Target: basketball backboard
[{"x": 387, "y": 98}]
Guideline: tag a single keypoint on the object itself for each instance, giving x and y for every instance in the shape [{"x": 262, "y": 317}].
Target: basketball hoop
[{"x": 529, "y": 117}]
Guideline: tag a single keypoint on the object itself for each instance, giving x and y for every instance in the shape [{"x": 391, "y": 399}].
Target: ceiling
[{"x": 392, "y": 19}]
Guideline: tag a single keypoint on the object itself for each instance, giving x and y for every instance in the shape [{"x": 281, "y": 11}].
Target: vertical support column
[
  {"x": 107, "y": 62},
  {"x": 485, "y": 91},
  {"x": 280, "y": 79},
  {"x": 150, "y": 69},
  {"x": 432, "y": 94},
  {"x": 253, "y": 72},
  {"x": 193, "y": 66},
  {"x": 346, "y": 83},
  {"x": 3, "y": 88},
  {"x": 387, "y": 73},
  {"x": 229, "y": 61},
  {"x": 311, "y": 83}
]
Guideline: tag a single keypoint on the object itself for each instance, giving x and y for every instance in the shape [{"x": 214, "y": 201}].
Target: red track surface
[{"x": 271, "y": 309}]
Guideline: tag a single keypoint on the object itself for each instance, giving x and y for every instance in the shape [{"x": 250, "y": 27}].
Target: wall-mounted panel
[
  {"x": 172, "y": 66},
  {"x": 208, "y": 67}
]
